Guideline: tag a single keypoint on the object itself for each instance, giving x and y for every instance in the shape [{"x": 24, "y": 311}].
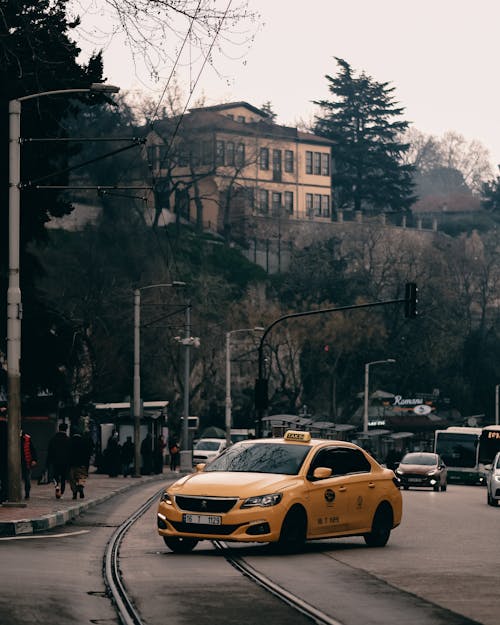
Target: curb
[{"x": 24, "y": 527}]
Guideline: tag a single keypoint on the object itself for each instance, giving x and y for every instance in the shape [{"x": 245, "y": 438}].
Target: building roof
[{"x": 210, "y": 119}]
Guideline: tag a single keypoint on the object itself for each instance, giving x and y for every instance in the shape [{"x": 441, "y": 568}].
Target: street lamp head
[
  {"x": 390, "y": 360},
  {"x": 101, "y": 87},
  {"x": 178, "y": 283},
  {"x": 258, "y": 329}
]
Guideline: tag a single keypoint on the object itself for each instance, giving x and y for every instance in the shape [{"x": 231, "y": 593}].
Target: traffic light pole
[{"x": 261, "y": 397}]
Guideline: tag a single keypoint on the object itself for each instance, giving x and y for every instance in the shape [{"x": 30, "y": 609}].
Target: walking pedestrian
[
  {"x": 28, "y": 460},
  {"x": 128, "y": 454},
  {"x": 79, "y": 461},
  {"x": 175, "y": 453},
  {"x": 58, "y": 454}
]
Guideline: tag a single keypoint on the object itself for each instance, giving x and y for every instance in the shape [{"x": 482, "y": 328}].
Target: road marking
[{"x": 45, "y": 535}]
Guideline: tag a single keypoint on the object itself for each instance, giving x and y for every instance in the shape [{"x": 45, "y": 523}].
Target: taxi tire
[
  {"x": 381, "y": 527},
  {"x": 293, "y": 532},
  {"x": 178, "y": 544}
]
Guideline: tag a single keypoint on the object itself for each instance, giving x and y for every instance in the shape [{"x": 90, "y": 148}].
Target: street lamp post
[
  {"x": 228, "y": 402},
  {"x": 14, "y": 302},
  {"x": 497, "y": 422},
  {"x": 367, "y": 385},
  {"x": 137, "y": 404}
]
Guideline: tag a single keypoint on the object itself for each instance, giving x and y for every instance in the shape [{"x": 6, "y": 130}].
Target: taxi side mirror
[
  {"x": 200, "y": 466},
  {"x": 320, "y": 473}
]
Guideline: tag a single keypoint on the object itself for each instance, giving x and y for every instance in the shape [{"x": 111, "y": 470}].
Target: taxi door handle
[
  {"x": 371, "y": 484},
  {"x": 342, "y": 489}
]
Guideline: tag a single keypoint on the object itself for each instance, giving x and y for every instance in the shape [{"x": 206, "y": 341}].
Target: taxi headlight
[
  {"x": 166, "y": 498},
  {"x": 263, "y": 501},
  {"x": 399, "y": 472}
]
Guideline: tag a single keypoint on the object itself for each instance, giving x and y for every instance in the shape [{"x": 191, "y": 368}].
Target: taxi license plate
[{"x": 203, "y": 519}]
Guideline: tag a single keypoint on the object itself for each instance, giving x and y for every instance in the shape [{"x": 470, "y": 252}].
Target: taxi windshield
[{"x": 283, "y": 458}]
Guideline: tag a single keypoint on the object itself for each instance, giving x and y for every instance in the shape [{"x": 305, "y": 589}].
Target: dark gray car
[{"x": 422, "y": 468}]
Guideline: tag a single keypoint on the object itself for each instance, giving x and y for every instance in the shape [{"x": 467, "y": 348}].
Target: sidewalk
[{"x": 43, "y": 511}]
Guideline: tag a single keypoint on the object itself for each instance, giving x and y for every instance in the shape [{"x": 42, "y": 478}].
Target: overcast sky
[{"x": 442, "y": 57}]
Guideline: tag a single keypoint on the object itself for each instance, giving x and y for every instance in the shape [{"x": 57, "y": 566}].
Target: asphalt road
[{"x": 443, "y": 557}]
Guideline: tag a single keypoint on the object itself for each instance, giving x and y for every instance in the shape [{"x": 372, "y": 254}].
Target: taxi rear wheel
[
  {"x": 293, "y": 531},
  {"x": 381, "y": 528},
  {"x": 179, "y": 544}
]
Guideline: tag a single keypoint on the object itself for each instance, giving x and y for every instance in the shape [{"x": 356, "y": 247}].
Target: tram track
[{"x": 124, "y": 605}]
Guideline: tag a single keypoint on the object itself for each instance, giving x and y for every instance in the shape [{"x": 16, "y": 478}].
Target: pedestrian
[
  {"x": 175, "y": 453},
  {"x": 28, "y": 461},
  {"x": 113, "y": 455},
  {"x": 58, "y": 454},
  {"x": 147, "y": 454},
  {"x": 79, "y": 461},
  {"x": 158, "y": 454},
  {"x": 127, "y": 455}
]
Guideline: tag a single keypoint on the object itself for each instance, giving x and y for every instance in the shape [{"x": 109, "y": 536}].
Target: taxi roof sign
[{"x": 302, "y": 437}]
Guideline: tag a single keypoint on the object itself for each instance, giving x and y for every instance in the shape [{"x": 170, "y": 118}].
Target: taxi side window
[{"x": 341, "y": 460}]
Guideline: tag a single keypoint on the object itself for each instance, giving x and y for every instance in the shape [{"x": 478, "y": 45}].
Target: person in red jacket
[{"x": 28, "y": 461}]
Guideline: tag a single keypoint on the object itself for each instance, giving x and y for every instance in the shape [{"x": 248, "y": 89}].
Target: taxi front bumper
[{"x": 257, "y": 524}]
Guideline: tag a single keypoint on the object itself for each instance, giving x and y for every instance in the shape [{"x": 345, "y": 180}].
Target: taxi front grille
[
  {"x": 205, "y": 504},
  {"x": 201, "y": 528}
]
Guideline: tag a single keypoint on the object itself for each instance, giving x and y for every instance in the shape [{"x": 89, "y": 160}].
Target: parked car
[
  {"x": 207, "y": 448},
  {"x": 493, "y": 481},
  {"x": 422, "y": 468},
  {"x": 283, "y": 491}
]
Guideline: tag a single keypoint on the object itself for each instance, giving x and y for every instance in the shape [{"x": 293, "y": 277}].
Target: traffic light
[{"x": 411, "y": 299}]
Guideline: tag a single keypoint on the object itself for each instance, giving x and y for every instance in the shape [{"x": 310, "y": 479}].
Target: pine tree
[
  {"x": 364, "y": 122},
  {"x": 37, "y": 54}
]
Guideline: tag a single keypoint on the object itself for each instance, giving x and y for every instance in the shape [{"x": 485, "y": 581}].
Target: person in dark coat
[
  {"x": 128, "y": 454},
  {"x": 79, "y": 461},
  {"x": 58, "y": 454},
  {"x": 158, "y": 454},
  {"x": 147, "y": 454},
  {"x": 175, "y": 453},
  {"x": 28, "y": 461},
  {"x": 113, "y": 455}
]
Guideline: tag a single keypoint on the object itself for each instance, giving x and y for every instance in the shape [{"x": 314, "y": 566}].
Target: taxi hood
[{"x": 232, "y": 483}]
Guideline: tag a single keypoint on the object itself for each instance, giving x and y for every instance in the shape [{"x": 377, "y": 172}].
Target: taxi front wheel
[
  {"x": 293, "y": 531},
  {"x": 381, "y": 528},
  {"x": 179, "y": 544}
]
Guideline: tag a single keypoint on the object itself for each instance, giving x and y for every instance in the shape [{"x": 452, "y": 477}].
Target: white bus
[
  {"x": 459, "y": 449},
  {"x": 466, "y": 450}
]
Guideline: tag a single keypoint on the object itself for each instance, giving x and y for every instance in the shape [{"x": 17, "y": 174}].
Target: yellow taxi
[{"x": 283, "y": 491}]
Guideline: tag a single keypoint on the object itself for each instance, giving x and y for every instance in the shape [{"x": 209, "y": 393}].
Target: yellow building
[{"x": 220, "y": 165}]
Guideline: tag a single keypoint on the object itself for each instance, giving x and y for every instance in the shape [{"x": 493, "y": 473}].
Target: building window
[
  {"x": 264, "y": 158},
  {"x": 309, "y": 162},
  {"x": 289, "y": 161},
  {"x": 206, "y": 153},
  {"x": 230, "y": 153},
  {"x": 153, "y": 159},
  {"x": 230, "y": 115},
  {"x": 239, "y": 160},
  {"x": 317, "y": 205},
  {"x": 325, "y": 205},
  {"x": 309, "y": 204},
  {"x": 241, "y": 118},
  {"x": 317, "y": 163},
  {"x": 289, "y": 202},
  {"x": 276, "y": 198},
  {"x": 277, "y": 165},
  {"x": 219, "y": 153},
  {"x": 263, "y": 200},
  {"x": 325, "y": 164}
]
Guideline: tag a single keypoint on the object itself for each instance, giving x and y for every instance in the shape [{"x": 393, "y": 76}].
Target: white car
[
  {"x": 493, "y": 481},
  {"x": 207, "y": 448}
]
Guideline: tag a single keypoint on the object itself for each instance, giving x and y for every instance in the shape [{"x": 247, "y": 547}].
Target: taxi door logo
[{"x": 329, "y": 495}]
